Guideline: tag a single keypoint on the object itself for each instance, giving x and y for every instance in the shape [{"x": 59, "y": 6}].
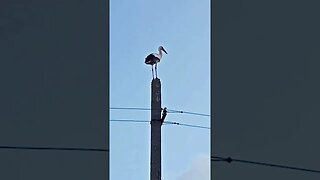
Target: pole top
[{"x": 156, "y": 79}]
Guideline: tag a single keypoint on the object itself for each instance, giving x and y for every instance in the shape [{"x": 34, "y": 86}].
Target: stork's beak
[{"x": 164, "y": 51}]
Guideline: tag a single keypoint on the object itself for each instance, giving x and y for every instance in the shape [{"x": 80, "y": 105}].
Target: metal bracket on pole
[{"x": 164, "y": 114}]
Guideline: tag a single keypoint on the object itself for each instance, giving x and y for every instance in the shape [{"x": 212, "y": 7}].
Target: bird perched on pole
[{"x": 154, "y": 58}]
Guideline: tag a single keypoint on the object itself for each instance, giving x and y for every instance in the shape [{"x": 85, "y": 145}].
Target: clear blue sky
[{"x": 137, "y": 28}]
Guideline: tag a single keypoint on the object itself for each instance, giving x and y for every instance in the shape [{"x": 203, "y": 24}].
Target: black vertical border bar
[
  {"x": 212, "y": 57},
  {"x": 105, "y": 28}
]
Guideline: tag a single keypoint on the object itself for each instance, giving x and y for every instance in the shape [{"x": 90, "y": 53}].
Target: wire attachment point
[{"x": 164, "y": 114}]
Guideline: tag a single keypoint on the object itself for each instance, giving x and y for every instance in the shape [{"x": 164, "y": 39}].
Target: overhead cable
[{"x": 229, "y": 160}]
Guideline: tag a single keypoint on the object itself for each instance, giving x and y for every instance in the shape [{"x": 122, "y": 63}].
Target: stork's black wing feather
[{"x": 149, "y": 59}]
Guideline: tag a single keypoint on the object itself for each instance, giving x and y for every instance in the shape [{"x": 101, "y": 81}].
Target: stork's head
[{"x": 162, "y": 49}]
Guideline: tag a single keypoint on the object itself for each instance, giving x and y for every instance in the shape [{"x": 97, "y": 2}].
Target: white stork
[{"x": 154, "y": 58}]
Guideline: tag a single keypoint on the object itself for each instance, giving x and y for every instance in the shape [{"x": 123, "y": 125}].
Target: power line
[
  {"x": 188, "y": 125},
  {"x": 131, "y": 108},
  {"x": 53, "y": 148},
  {"x": 169, "y": 110},
  {"x": 166, "y": 122},
  {"x": 187, "y": 112},
  {"x": 129, "y": 120},
  {"x": 229, "y": 160}
]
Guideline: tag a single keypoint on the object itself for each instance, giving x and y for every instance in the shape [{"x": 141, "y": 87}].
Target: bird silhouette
[{"x": 154, "y": 58}]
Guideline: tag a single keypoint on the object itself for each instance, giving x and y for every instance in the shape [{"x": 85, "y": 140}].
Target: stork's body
[{"x": 154, "y": 58}]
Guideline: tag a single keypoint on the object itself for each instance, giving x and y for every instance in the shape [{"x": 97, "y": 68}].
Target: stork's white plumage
[{"x": 154, "y": 58}]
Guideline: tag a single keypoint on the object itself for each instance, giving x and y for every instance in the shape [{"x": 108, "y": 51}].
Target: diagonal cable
[
  {"x": 169, "y": 110},
  {"x": 166, "y": 122},
  {"x": 229, "y": 160}
]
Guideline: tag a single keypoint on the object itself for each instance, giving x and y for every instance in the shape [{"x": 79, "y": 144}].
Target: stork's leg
[
  {"x": 152, "y": 71},
  {"x": 156, "y": 70}
]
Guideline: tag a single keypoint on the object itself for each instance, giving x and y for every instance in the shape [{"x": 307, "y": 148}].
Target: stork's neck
[{"x": 160, "y": 54}]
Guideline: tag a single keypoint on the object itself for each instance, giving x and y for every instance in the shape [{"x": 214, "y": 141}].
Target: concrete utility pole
[{"x": 156, "y": 122}]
